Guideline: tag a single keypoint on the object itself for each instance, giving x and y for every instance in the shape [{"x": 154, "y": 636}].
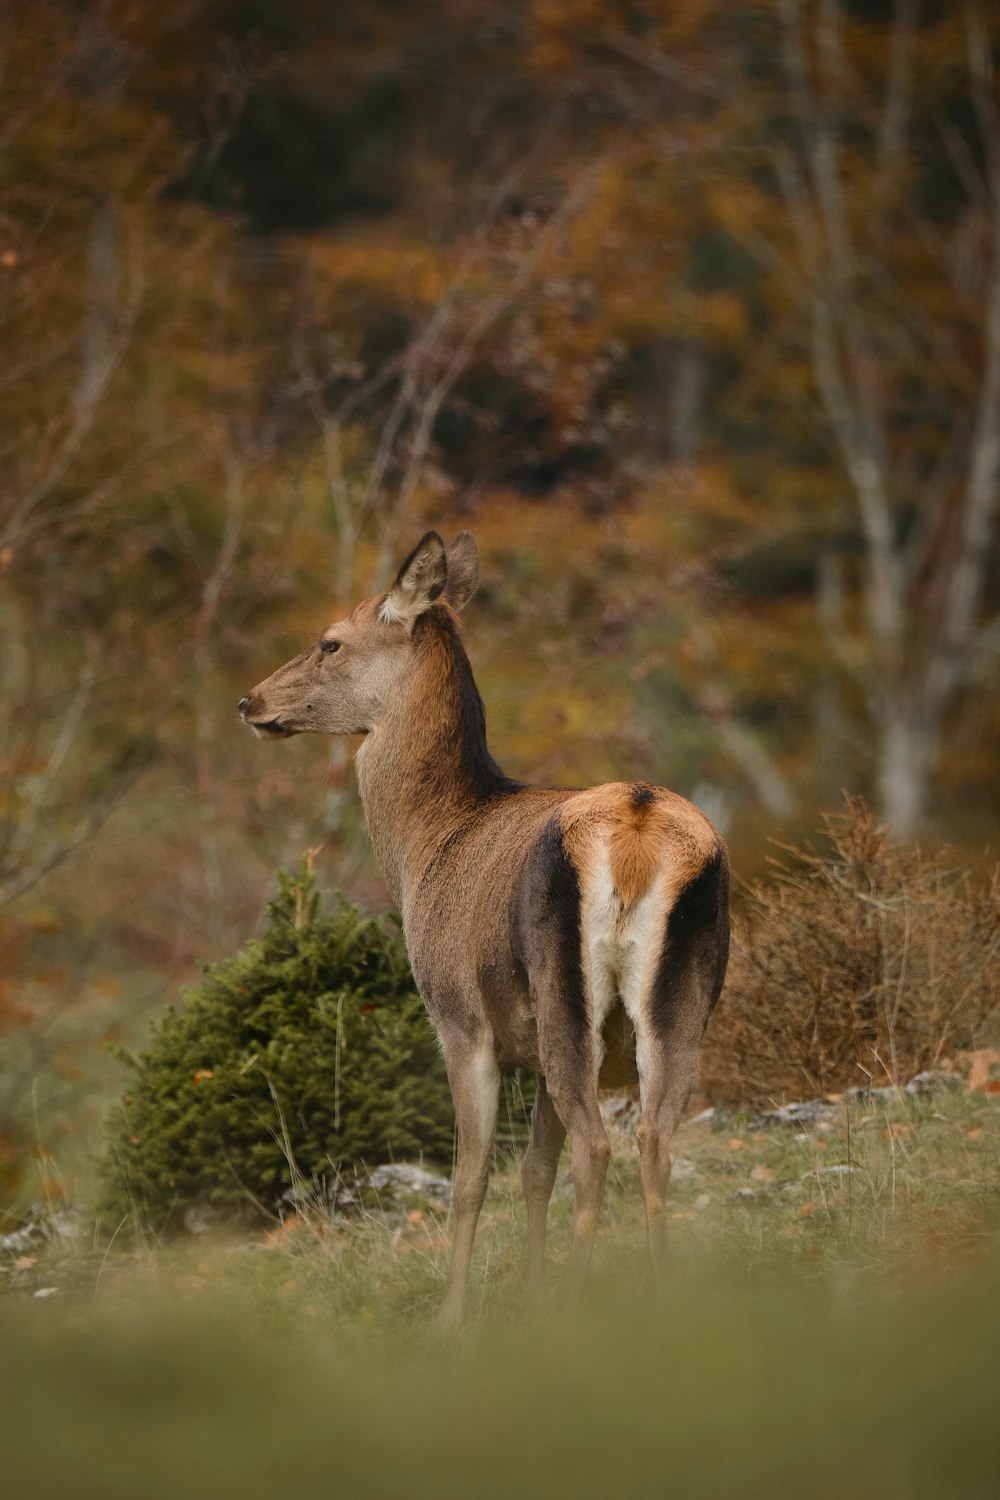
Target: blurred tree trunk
[{"x": 98, "y": 354}]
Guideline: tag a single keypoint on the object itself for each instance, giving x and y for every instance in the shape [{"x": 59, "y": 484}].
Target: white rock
[
  {"x": 933, "y": 1079},
  {"x": 405, "y": 1177},
  {"x": 683, "y": 1170},
  {"x": 807, "y": 1112},
  {"x": 704, "y": 1118},
  {"x": 20, "y": 1240}
]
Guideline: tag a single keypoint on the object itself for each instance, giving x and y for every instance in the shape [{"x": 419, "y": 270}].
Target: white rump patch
[{"x": 621, "y": 946}]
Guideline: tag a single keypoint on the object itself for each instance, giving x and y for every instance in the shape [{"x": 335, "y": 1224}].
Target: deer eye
[{"x": 329, "y": 647}]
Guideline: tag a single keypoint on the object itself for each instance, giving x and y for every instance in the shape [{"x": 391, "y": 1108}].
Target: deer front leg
[
  {"x": 538, "y": 1175},
  {"x": 475, "y": 1086}
]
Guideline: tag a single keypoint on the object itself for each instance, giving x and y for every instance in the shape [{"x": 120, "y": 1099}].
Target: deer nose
[{"x": 243, "y": 704}]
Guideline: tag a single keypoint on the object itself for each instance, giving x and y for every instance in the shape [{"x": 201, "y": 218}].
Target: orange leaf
[
  {"x": 202, "y": 1074},
  {"x": 805, "y": 1211},
  {"x": 760, "y": 1173},
  {"x": 735, "y": 1144},
  {"x": 975, "y": 1133},
  {"x": 275, "y": 1239},
  {"x": 981, "y": 1062},
  {"x": 25, "y": 1262}
]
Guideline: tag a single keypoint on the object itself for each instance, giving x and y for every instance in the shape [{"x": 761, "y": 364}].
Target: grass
[{"x": 823, "y": 1331}]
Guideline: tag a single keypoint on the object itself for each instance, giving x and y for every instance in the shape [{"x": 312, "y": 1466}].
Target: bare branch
[
  {"x": 86, "y": 409},
  {"x": 899, "y": 81},
  {"x": 770, "y": 785},
  {"x": 488, "y": 316},
  {"x": 833, "y": 620},
  {"x": 668, "y": 68}
]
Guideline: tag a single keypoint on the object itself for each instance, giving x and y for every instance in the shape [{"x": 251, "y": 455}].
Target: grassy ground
[{"x": 817, "y": 1329}]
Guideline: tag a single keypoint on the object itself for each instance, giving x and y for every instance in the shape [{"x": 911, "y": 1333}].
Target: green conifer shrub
[{"x": 300, "y": 1060}]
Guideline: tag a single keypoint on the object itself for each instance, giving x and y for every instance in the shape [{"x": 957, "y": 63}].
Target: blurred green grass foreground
[
  {"x": 828, "y": 1325},
  {"x": 708, "y": 1390}
]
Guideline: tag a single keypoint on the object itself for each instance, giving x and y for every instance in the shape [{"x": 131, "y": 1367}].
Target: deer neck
[{"x": 425, "y": 770}]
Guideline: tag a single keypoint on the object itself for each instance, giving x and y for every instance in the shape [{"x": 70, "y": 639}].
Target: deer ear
[
  {"x": 419, "y": 582},
  {"x": 463, "y": 570}
]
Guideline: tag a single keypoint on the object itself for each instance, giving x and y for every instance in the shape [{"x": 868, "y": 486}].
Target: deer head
[{"x": 344, "y": 682}]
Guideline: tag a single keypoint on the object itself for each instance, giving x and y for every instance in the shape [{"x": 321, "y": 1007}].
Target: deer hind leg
[
  {"x": 665, "y": 1086},
  {"x": 574, "y": 1094},
  {"x": 475, "y": 1086},
  {"x": 571, "y": 1051},
  {"x": 670, "y": 1018},
  {"x": 550, "y": 943},
  {"x": 538, "y": 1175}
]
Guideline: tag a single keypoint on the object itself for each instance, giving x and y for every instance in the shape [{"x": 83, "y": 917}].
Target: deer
[{"x": 582, "y": 935}]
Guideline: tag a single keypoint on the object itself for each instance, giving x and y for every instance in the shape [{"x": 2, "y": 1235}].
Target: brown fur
[
  {"x": 638, "y": 831},
  {"x": 537, "y": 920}
]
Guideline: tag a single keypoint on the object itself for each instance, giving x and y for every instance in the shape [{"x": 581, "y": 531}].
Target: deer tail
[{"x": 636, "y": 846}]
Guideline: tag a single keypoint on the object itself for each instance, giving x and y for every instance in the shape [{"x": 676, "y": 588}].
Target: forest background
[{"x": 690, "y": 312}]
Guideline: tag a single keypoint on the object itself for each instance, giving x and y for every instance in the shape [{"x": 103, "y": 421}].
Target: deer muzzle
[{"x": 254, "y": 715}]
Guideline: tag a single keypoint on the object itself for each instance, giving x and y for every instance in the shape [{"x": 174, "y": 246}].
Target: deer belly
[{"x": 511, "y": 1015}]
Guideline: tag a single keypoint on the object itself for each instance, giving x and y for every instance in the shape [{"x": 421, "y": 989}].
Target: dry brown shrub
[{"x": 870, "y": 962}]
